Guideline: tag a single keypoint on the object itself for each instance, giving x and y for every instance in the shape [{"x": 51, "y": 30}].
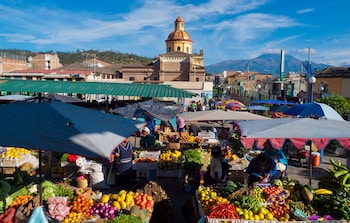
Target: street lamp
[
  {"x": 321, "y": 91},
  {"x": 259, "y": 91},
  {"x": 312, "y": 81}
]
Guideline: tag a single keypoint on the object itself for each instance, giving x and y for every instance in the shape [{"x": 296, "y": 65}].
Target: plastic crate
[{"x": 7, "y": 162}]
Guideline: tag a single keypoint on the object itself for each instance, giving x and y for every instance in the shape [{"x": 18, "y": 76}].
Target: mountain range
[{"x": 264, "y": 64}]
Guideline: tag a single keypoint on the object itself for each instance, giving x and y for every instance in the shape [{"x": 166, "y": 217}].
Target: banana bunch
[
  {"x": 323, "y": 191},
  {"x": 191, "y": 138},
  {"x": 341, "y": 173}
]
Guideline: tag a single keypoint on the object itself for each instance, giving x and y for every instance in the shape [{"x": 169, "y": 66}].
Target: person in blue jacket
[
  {"x": 278, "y": 156},
  {"x": 261, "y": 169}
]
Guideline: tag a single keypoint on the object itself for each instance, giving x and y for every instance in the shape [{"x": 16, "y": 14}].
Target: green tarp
[{"x": 117, "y": 89}]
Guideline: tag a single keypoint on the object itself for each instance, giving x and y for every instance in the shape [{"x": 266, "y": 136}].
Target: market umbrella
[
  {"x": 279, "y": 108},
  {"x": 319, "y": 110},
  {"x": 219, "y": 115},
  {"x": 233, "y": 101},
  {"x": 235, "y": 106},
  {"x": 14, "y": 97},
  {"x": 298, "y": 130},
  {"x": 257, "y": 108},
  {"x": 62, "y": 98},
  {"x": 271, "y": 102},
  {"x": 62, "y": 127}
]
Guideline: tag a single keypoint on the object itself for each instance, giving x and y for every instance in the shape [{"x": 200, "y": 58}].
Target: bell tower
[{"x": 179, "y": 40}]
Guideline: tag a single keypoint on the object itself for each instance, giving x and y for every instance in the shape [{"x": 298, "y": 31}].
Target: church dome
[
  {"x": 179, "y": 32},
  {"x": 179, "y": 35}
]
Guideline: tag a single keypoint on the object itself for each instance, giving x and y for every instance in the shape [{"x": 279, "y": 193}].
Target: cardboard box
[
  {"x": 163, "y": 136},
  {"x": 165, "y": 129},
  {"x": 238, "y": 175},
  {"x": 8, "y": 170},
  {"x": 150, "y": 154},
  {"x": 173, "y": 145}
]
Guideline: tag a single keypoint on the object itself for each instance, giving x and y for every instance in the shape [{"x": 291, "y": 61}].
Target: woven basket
[{"x": 82, "y": 183}]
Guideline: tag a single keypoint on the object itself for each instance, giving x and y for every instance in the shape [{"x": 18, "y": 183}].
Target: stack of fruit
[
  {"x": 14, "y": 157},
  {"x": 185, "y": 137},
  {"x": 208, "y": 198},
  {"x": 170, "y": 159},
  {"x": 121, "y": 200}
]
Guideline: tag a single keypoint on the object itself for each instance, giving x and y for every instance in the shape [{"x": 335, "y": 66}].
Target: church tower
[{"x": 179, "y": 40}]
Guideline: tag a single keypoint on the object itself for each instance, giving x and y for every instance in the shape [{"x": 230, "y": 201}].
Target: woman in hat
[{"x": 147, "y": 139}]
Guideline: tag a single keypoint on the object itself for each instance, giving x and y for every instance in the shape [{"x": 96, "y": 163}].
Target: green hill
[{"x": 79, "y": 56}]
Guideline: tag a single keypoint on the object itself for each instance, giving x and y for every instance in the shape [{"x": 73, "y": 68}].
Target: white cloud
[{"x": 303, "y": 11}]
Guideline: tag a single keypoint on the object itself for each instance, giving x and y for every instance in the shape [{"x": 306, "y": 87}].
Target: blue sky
[{"x": 223, "y": 29}]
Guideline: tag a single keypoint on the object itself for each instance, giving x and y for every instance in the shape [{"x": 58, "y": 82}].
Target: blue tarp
[
  {"x": 63, "y": 127},
  {"x": 272, "y": 102},
  {"x": 150, "y": 108}
]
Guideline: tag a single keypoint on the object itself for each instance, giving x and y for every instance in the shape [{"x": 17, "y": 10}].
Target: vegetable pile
[{"x": 192, "y": 159}]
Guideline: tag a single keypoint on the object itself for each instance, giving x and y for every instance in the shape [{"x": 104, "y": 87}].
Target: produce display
[
  {"x": 193, "y": 159},
  {"x": 66, "y": 204},
  {"x": 281, "y": 200},
  {"x": 170, "y": 159}
]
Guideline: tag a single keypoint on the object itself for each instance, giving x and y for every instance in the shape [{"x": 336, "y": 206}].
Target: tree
[{"x": 338, "y": 103}]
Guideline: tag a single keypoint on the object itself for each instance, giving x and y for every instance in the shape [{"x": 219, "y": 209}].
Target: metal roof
[{"x": 117, "y": 89}]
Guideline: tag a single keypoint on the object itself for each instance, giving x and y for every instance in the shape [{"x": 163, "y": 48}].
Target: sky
[{"x": 223, "y": 29}]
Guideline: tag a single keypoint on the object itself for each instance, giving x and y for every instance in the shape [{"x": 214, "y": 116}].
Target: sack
[
  {"x": 280, "y": 166},
  {"x": 111, "y": 177}
]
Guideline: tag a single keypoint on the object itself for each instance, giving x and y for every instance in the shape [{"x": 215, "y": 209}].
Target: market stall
[{"x": 278, "y": 201}]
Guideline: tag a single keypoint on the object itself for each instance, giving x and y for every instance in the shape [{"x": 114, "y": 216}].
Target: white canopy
[{"x": 220, "y": 115}]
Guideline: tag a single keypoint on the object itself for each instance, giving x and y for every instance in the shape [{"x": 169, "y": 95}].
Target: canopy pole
[
  {"x": 40, "y": 168},
  {"x": 310, "y": 162},
  {"x": 40, "y": 178}
]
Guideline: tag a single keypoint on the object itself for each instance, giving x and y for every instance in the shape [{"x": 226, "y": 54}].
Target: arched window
[
  {"x": 169, "y": 49},
  {"x": 187, "y": 50},
  {"x": 178, "y": 48}
]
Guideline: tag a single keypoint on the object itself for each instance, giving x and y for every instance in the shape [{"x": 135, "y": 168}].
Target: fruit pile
[
  {"x": 185, "y": 137},
  {"x": 261, "y": 213},
  {"x": 208, "y": 198},
  {"x": 81, "y": 205},
  {"x": 14, "y": 153},
  {"x": 170, "y": 159},
  {"x": 144, "y": 201},
  {"x": 280, "y": 211},
  {"x": 121, "y": 200}
]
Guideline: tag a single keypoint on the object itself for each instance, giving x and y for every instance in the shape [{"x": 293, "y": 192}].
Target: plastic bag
[{"x": 38, "y": 215}]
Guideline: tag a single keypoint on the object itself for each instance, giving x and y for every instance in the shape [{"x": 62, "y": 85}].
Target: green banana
[
  {"x": 340, "y": 173},
  {"x": 338, "y": 165},
  {"x": 345, "y": 179}
]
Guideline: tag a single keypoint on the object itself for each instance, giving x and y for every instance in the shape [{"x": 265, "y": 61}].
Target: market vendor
[
  {"x": 122, "y": 163},
  {"x": 278, "y": 156},
  {"x": 261, "y": 169},
  {"x": 215, "y": 172},
  {"x": 147, "y": 139},
  {"x": 193, "y": 129}
]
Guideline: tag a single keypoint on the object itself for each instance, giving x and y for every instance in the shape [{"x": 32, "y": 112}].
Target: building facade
[
  {"x": 45, "y": 61},
  {"x": 10, "y": 62}
]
